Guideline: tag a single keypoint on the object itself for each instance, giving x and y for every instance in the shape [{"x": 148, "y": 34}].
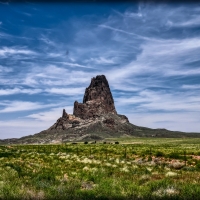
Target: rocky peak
[
  {"x": 65, "y": 115},
  {"x": 97, "y": 90},
  {"x": 97, "y": 100}
]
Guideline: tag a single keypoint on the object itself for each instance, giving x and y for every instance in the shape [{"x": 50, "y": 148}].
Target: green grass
[{"x": 136, "y": 168}]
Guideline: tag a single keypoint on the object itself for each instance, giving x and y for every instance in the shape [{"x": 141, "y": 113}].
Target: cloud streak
[
  {"x": 18, "y": 106},
  {"x": 10, "y": 51},
  {"x": 19, "y": 91}
]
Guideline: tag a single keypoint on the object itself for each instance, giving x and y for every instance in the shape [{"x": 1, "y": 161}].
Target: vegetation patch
[{"x": 122, "y": 168}]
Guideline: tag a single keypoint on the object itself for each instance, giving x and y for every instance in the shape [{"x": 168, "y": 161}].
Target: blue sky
[{"x": 150, "y": 54}]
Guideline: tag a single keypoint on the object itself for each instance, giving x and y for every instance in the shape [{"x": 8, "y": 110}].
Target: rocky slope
[{"x": 94, "y": 119}]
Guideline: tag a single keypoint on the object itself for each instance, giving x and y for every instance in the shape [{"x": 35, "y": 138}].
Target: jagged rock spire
[
  {"x": 98, "y": 90},
  {"x": 64, "y": 115},
  {"x": 97, "y": 100}
]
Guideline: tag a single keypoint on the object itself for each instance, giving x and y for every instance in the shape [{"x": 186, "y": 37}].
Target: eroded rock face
[
  {"x": 97, "y": 100},
  {"x": 65, "y": 122},
  {"x": 97, "y": 107},
  {"x": 94, "y": 116}
]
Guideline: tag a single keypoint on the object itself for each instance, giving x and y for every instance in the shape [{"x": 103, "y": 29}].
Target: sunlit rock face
[{"x": 97, "y": 100}]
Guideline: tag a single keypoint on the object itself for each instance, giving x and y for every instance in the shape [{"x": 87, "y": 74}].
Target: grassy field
[{"x": 136, "y": 168}]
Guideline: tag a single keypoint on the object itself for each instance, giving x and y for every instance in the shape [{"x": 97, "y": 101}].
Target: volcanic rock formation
[
  {"x": 97, "y": 100},
  {"x": 96, "y": 115}
]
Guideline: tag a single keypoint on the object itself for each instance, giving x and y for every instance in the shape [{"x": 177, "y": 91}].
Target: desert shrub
[
  {"x": 5, "y": 154},
  {"x": 188, "y": 168},
  {"x": 189, "y": 162},
  {"x": 45, "y": 176},
  {"x": 149, "y": 158},
  {"x": 143, "y": 155},
  {"x": 134, "y": 152},
  {"x": 16, "y": 167},
  {"x": 198, "y": 165},
  {"x": 148, "y": 151},
  {"x": 189, "y": 191},
  {"x": 159, "y": 154},
  {"x": 174, "y": 155}
]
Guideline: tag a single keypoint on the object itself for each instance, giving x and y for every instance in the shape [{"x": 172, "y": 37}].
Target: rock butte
[
  {"x": 96, "y": 113},
  {"x": 97, "y": 102}
]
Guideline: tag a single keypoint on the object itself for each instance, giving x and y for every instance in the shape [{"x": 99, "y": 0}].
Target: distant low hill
[{"x": 94, "y": 119}]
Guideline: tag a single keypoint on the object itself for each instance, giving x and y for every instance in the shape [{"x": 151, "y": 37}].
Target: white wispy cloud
[
  {"x": 22, "y": 127},
  {"x": 14, "y": 50},
  {"x": 19, "y": 91},
  {"x": 48, "y": 41},
  {"x": 162, "y": 58},
  {"x": 187, "y": 21},
  {"x": 52, "y": 75},
  {"x": 29, "y": 80},
  {"x": 161, "y": 101},
  {"x": 51, "y": 115},
  {"x": 116, "y": 29},
  {"x": 66, "y": 91},
  {"x": 5, "y": 69},
  {"x": 133, "y": 14},
  {"x": 178, "y": 121},
  {"x": 71, "y": 64},
  {"x": 16, "y": 106},
  {"x": 31, "y": 124},
  {"x": 54, "y": 55},
  {"x": 101, "y": 60},
  {"x": 196, "y": 86}
]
